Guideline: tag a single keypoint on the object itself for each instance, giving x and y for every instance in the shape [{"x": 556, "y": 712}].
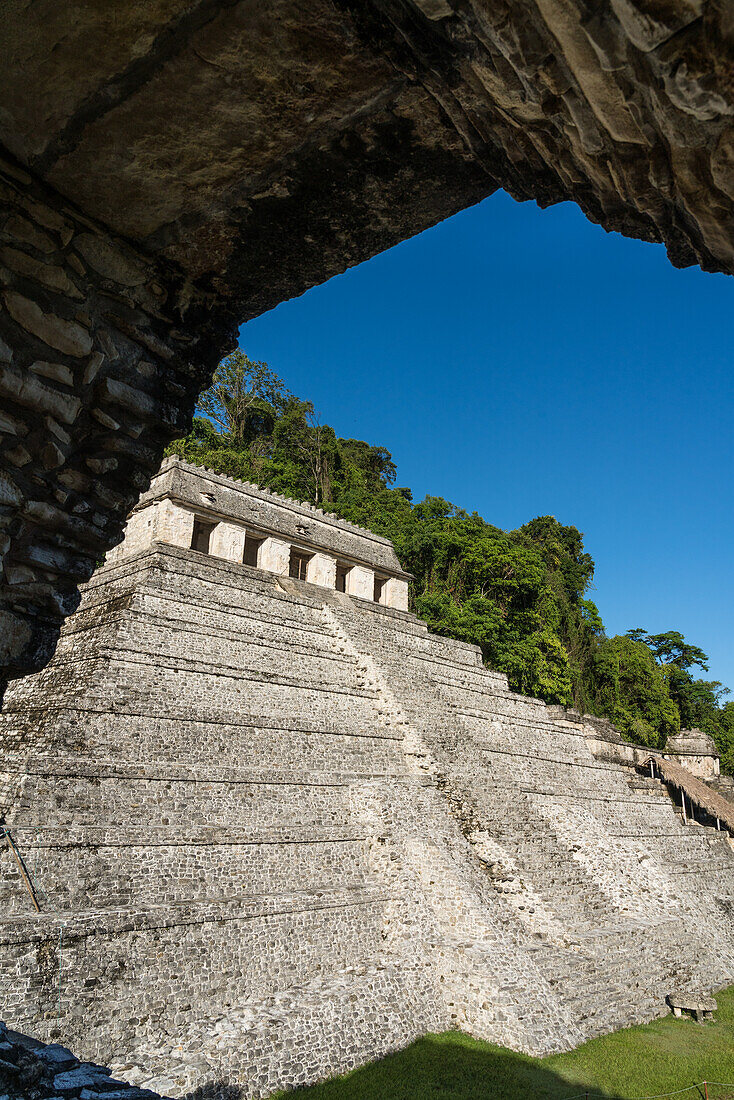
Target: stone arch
[{"x": 177, "y": 169}]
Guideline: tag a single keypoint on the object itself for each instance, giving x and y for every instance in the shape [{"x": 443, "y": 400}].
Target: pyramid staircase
[{"x": 275, "y": 831}]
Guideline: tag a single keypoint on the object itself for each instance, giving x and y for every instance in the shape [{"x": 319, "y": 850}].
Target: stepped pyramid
[{"x": 275, "y": 829}]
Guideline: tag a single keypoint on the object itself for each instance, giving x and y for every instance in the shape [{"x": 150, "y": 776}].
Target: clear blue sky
[{"x": 523, "y": 362}]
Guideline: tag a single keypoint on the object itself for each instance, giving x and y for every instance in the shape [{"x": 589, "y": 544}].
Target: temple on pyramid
[{"x": 263, "y": 826}]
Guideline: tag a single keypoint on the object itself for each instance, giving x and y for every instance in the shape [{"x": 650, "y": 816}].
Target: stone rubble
[{"x": 30, "y": 1070}]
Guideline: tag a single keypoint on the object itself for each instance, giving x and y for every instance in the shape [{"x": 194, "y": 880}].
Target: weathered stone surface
[
  {"x": 31, "y": 394},
  {"x": 30, "y": 1070},
  {"x": 111, "y": 262},
  {"x": 9, "y": 492},
  {"x": 184, "y": 167},
  {"x": 181, "y": 491},
  {"x": 24, "y": 232},
  {"x": 286, "y": 116},
  {"x": 279, "y": 830},
  {"x": 16, "y": 636},
  {"x": 57, "y": 403},
  {"x": 65, "y": 336},
  {"x": 56, "y": 371},
  {"x": 53, "y": 277}
]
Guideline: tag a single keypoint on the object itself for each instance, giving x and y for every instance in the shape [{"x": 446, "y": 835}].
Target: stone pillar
[
  {"x": 275, "y": 556},
  {"x": 175, "y": 524},
  {"x": 322, "y": 570},
  {"x": 396, "y": 593},
  {"x": 228, "y": 541},
  {"x": 361, "y": 582},
  {"x": 140, "y": 531},
  {"x": 160, "y": 521}
]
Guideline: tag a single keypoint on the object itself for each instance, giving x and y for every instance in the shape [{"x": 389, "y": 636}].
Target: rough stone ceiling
[
  {"x": 175, "y": 167},
  {"x": 265, "y": 147}
]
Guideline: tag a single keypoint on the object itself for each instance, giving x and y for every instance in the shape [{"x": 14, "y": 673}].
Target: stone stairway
[
  {"x": 614, "y": 962},
  {"x": 196, "y": 800},
  {"x": 327, "y": 830}
]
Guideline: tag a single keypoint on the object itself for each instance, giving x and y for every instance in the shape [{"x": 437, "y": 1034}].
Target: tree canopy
[
  {"x": 522, "y": 596},
  {"x": 244, "y": 399}
]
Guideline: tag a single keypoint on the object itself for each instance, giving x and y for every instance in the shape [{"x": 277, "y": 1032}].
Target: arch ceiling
[{"x": 173, "y": 168}]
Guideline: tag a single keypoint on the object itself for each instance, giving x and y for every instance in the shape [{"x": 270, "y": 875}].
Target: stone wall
[
  {"x": 30, "y": 1070},
  {"x": 98, "y": 370},
  {"x": 696, "y": 751},
  {"x": 604, "y": 739},
  {"x": 275, "y": 832},
  {"x": 692, "y": 749}
]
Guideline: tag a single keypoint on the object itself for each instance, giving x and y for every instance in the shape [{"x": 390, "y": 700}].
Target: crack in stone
[{"x": 167, "y": 45}]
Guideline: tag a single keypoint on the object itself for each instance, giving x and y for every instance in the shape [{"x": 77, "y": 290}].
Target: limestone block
[
  {"x": 228, "y": 541},
  {"x": 140, "y": 531},
  {"x": 361, "y": 582},
  {"x": 275, "y": 556},
  {"x": 175, "y": 524},
  {"x": 110, "y": 261},
  {"x": 322, "y": 570},
  {"x": 704, "y": 766},
  {"x": 13, "y": 631},
  {"x": 396, "y": 593},
  {"x": 64, "y": 336},
  {"x": 434, "y": 9}
]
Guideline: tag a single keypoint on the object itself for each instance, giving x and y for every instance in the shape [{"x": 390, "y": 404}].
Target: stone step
[
  {"x": 224, "y": 910},
  {"x": 107, "y": 872}
]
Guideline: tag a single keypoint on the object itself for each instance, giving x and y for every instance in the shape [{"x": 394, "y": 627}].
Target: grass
[{"x": 660, "y": 1057}]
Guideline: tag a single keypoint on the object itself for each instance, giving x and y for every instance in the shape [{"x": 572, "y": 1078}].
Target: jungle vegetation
[{"x": 522, "y": 596}]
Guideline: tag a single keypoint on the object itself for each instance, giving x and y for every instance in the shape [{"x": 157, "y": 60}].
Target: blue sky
[{"x": 523, "y": 362}]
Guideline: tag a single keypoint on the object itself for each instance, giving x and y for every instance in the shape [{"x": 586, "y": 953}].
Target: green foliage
[
  {"x": 630, "y": 688},
  {"x": 725, "y": 738},
  {"x": 253, "y": 428},
  {"x": 698, "y": 702},
  {"x": 521, "y": 596},
  {"x": 653, "y": 1059},
  {"x": 244, "y": 398},
  {"x": 478, "y": 584},
  {"x": 671, "y": 648},
  {"x": 591, "y": 618}
]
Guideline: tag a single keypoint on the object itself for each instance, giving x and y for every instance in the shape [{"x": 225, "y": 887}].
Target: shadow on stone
[
  {"x": 216, "y": 1091},
  {"x": 452, "y": 1066}
]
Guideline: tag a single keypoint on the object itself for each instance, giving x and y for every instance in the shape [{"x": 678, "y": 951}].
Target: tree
[
  {"x": 591, "y": 617},
  {"x": 630, "y": 688},
  {"x": 244, "y": 397},
  {"x": 574, "y": 620},
  {"x": 375, "y": 463},
  {"x": 519, "y": 595},
  {"x": 698, "y": 702},
  {"x": 671, "y": 648},
  {"x": 315, "y": 444},
  {"x": 725, "y": 738}
]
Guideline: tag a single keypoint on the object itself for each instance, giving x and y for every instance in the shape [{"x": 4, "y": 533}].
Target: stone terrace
[{"x": 276, "y": 830}]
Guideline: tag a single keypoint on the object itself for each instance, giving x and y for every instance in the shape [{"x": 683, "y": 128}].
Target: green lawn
[{"x": 659, "y": 1057}]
